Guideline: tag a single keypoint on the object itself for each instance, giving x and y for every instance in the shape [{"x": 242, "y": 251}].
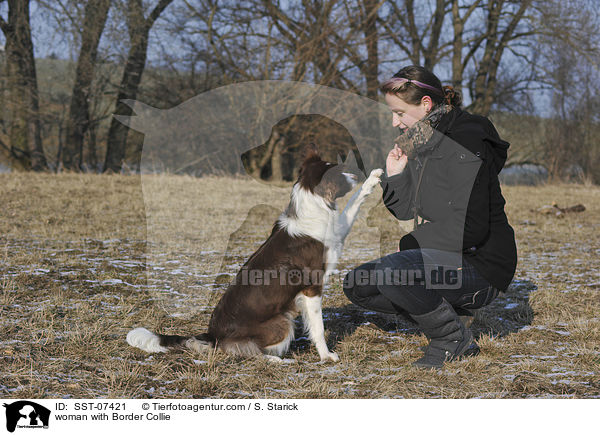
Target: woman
[{"x": 443, "y": 173}]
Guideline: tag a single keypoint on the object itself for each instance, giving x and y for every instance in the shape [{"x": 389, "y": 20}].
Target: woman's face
[{"x": 404, "y": 114}]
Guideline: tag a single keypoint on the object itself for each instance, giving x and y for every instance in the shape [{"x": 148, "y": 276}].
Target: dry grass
[{"x": 83, "y": 260}]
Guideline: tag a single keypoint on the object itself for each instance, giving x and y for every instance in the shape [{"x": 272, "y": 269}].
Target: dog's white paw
[
  {"x": 372, "y": 181},
  {"x": 330, "y": 356},
  {"x": 377, "y": 173},
  {"x": 278, "y": 360},
  {"x": 272, "y": 358}
]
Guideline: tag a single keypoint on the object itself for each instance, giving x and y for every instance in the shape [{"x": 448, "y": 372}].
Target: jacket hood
[
  {"x": 500, "y": 150},
  {"x": 471, "y": 131}
]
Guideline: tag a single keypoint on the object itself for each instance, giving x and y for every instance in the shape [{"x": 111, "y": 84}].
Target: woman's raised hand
[{"x": 396, "y": 161}]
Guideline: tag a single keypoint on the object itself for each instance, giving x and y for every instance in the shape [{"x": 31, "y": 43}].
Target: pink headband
[{"x": 402, "y": 80}]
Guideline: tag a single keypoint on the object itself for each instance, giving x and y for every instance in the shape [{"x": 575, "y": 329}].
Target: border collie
[{"x": 285, "y": 276}]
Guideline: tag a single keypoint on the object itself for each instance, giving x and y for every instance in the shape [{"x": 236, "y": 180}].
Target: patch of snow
[
  {"x": 534, "y": 356},
  {"x": 545, "y": 328},
  {"x": 112, "y": 281}
]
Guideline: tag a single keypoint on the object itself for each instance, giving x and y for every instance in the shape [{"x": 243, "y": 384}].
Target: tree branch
[{"x": 160, "y": 7}]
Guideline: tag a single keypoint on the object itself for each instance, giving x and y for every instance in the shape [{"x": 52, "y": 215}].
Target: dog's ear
[{"x": 311, "y": 152}]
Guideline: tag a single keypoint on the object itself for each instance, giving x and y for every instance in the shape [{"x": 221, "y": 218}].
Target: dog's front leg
[
  {"x": 312, "y": 315},
  {"x": 348, "y": 216}
]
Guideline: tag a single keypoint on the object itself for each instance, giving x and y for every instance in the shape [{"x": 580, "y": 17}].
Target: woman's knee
[
  {"x": 356, "y": 283},
  {"x": 348, "y": 285},
  {"x": 478, "y": 299}
]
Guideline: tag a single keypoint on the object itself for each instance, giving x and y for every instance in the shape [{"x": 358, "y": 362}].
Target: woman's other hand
[{"x": 395, "y": 162}]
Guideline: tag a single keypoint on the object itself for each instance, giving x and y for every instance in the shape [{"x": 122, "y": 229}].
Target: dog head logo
[
  {"x": 26, "y": 414},
  {"x": 225, "y": 131}
]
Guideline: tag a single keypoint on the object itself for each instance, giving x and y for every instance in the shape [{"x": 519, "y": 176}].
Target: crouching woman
[{"x": 443, "y": 173}]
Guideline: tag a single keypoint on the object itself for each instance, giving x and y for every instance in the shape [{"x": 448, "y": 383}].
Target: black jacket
[{"x": 459, "y": 194}]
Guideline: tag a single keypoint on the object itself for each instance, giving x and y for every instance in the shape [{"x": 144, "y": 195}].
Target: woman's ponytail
[{"x": 452, "y": 97}]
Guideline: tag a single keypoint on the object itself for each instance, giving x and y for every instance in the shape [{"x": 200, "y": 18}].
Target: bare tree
[
  {"x": 459, "y": 59},
  {"x": 25, "y": 148},
  {"x": 571, "y": 49},
  {"x": 96, "y": 13},
  {"x": 496, "y": 42},
  {"x": 139, "y": 30},
  {"x": 418, "y": 38},
  {"x": 326, "y": 42},
  {"x": 496, "y": 51}
]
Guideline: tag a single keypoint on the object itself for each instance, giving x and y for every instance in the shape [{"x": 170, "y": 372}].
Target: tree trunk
[
  {"x": 139, "y": 30},
  {"x": 96, "y": 13},
  {"x": 457, "y": 47},
  {"x": 132, "y": 76},
  {"x": 92, "y": 153},
  {"x": 371, "y": 69},
  {"x": 496, "y": 41},
  {"x": 431, "y": 53},
  {"x": 26, "y": 149}
]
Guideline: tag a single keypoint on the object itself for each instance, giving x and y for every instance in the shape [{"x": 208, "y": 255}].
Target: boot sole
[{"x": 472, "y": 350}]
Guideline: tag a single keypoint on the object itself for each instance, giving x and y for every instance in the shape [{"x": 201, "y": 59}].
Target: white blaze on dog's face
[{"x": 328, "y": 180}]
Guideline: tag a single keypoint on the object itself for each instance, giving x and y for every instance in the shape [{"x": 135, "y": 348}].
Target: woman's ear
[{"x": 427, "y": 103}]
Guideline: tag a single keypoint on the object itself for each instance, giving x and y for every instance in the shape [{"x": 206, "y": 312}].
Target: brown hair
[{"x": 420, "y": 82}]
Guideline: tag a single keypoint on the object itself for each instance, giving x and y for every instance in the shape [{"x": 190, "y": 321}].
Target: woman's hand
[{"x": 395, "y": 162}]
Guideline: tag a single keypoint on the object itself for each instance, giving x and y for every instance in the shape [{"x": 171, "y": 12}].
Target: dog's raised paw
[
  {"x": 377, "y": 173},
  {"x": 373, "y": 180}
]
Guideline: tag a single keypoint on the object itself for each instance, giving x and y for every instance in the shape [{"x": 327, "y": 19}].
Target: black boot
[
  {"x": 450, "y": 340},
  {"x": 465, "y": 316}
]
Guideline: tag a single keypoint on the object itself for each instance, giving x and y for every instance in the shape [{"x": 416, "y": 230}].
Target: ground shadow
[
  {"x": 343, "y": 321},
  {"x": 507, "y": 314}
]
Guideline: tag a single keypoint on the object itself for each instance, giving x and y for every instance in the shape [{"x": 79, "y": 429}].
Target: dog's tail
[{"x": 151, "y": 342}]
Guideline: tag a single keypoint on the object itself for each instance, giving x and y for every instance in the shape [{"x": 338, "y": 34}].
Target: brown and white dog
[{"x": 285, "y": 276}]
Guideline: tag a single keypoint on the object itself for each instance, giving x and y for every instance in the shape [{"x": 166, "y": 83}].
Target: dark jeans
[{"x": 415, "y": 281}]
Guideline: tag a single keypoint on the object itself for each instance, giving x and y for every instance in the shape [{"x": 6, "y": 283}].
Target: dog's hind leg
[
  {"x": 312, "y": 315},
  {"x": 240, "y": 347},
  {"x": 278, "y": 334}
]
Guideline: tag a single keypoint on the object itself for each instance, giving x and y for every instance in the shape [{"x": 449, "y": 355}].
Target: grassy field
[{"x": 83, "y": 259}]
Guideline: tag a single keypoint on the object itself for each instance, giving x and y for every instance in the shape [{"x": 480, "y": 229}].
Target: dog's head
[{"x": 326, "y": 179}]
